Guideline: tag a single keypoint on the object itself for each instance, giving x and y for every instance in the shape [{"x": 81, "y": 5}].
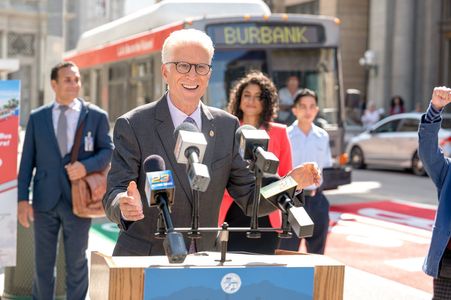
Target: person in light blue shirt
[{"x": 310, "y": 143}]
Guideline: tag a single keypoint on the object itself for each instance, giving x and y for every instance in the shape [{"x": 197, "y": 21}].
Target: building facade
[
  {"x": 407, "y": 45},
  {"x": 22, "y": 35},
  {"x": 37, "y": 32},
  {"x": 87, "y": 14},
  {"x": 408, "y": 41}
]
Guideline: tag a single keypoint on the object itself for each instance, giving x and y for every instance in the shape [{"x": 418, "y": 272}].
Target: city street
[
  {"x": 381, "y": 224},
  {"x": 372, "y": 249},
  {"x": 376, "y": 184}
]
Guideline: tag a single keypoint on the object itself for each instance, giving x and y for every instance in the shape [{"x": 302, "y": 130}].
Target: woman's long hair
[{"x": 268, "y": 96}]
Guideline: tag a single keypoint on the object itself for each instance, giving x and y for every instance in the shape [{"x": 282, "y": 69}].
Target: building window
[
  {"x": 86, "y": 85},
  {"x": 118, "y": 75},
  {"x": 21, "y": 44},
  {"x": 141, "y": 90},
  {"x": 309, "y": 7}
]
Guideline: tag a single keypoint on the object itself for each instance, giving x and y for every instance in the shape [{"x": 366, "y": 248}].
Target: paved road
[
  {"x": 373, "y": 185},
  {"x": 368, "y": 185},
  {"x": 377, "y": 185}
]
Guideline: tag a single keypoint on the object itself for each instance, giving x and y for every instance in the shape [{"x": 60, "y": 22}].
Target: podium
[{"x": 146, "y": 277}]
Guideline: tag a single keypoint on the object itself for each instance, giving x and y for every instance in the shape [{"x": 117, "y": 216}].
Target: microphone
[
  {"x": 190, "y": 149},
  {"x": 160, "y": 191},
  {"x": 254, "y": 145},
  {"x": 158, "y": 180},
  {"x": 280, "y": 194}
]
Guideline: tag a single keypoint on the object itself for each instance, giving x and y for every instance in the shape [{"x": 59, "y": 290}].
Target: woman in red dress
[{"x": 254, "y": 101}]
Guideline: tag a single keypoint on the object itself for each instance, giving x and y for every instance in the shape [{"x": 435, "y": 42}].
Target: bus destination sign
[{"x": 265, "y": 34}]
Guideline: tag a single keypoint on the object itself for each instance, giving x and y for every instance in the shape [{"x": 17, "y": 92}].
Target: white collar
[
  {"x": 179, "y": 116},
  {"x": 75, "y": 105}
]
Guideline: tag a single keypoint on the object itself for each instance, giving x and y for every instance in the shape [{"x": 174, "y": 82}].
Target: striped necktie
[{"x": 190, "y": 120}]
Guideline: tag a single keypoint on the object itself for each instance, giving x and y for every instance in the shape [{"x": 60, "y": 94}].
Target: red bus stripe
[{"x": 140, "y": 44}]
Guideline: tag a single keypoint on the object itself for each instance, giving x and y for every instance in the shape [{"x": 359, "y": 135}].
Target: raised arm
[{"x": 431, "y": 155}]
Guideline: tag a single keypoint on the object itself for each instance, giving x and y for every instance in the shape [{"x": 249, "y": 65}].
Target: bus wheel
[
  {"x": 357, "y": 159},
  {"x": 417, "y": 165}
]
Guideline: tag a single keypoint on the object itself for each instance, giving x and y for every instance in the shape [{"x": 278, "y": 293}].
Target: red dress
[{"x": 279, "y": 144}]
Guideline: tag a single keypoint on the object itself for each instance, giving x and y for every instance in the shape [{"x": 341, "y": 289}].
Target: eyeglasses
[{"x": 184, "y": 67}]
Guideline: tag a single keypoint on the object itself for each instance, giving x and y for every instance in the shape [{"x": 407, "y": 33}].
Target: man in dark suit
[
  {"x": 148, "y": 129},
  {"x": 49, "y": 139}
]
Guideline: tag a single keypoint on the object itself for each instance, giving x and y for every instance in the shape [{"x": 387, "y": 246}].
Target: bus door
[
  {"x": 315, "y": 69},
  {"x": 228, "y": 67}
]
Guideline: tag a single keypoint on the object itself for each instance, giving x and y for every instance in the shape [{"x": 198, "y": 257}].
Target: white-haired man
[{"x": 186, "y": 68}]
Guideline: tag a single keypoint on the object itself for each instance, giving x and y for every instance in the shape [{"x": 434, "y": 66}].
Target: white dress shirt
[
  {"x": 72, "y": 116},
  {"x": 286, "y": 97},
  {"x": 313, "y": 147}
]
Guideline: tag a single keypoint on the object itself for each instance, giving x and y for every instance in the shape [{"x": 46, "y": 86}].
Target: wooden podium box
[{"x": 124, "y": 277}]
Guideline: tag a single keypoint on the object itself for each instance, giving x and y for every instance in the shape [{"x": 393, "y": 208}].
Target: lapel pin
[{"x": 212, "y": 133}]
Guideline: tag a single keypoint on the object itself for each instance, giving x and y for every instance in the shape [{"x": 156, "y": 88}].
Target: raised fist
[{"x": 441, "y": 96}]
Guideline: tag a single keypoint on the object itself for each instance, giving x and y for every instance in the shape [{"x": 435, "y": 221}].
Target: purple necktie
[{"x": 190, "y": 120}]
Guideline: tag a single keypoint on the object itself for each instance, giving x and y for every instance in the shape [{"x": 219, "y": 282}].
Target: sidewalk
[{"x": 358, "y": 284}]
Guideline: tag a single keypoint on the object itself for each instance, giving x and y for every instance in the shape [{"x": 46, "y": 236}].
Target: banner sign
[
  {"x": 275, "y": 282},
  {"x": 9, "y": 137}
]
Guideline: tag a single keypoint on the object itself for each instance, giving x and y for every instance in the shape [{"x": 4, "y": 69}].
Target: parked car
[{"x": 393, "y": 142}]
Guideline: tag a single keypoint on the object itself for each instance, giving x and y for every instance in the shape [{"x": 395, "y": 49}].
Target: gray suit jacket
[{"x": 148, "y": 130}]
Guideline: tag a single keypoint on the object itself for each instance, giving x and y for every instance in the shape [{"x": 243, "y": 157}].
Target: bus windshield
[{"x": 315, "y": 69}]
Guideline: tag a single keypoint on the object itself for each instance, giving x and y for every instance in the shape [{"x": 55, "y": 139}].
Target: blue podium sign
[{"x": 246, "y": 283}]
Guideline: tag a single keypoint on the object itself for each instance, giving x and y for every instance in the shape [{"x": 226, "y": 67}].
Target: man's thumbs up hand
[{"x": 130, "y": 203}]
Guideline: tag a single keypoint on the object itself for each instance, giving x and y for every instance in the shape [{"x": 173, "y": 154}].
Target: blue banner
[{"x": 246, "y": 283}]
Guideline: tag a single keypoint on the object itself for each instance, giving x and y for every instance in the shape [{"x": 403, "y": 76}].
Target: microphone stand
[
  {"x": 254, "y": 233},
  {"x": 174, "y": 244},
  {"x": 195, "y": 233},
  {"x": 161, "y": 229},
  {"x": 286, "y": 228},
  {"x": 224, "y": 239}
]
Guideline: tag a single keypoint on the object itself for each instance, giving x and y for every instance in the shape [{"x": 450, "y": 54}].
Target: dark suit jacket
[
  {"x": 41, "y": 152},
  {"x": 149, "y": 130}
]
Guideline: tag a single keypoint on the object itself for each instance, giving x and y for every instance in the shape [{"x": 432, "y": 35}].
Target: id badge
[{"x": 89, "y": 142}]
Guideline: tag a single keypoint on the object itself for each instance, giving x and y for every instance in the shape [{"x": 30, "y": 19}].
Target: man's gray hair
[{"x": 185, "y": 37}]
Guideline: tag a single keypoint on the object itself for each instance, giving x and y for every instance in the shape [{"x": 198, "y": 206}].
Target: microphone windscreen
[
  {"x": 185, "y": 126},
  {"x": 240, "y": 129},
  {"x": 154, "y": 163}
]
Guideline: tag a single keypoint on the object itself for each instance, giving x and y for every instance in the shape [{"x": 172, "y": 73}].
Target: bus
[{"x": 120, "y": 61}]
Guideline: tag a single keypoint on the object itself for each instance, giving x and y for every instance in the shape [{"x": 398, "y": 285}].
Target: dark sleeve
[
  {"x": 27, "y": 162},
  {"x": 435, "y": 163},
  {"x": 432, "y": 115},
  {"x": 124, "y": 167},
  {"x": 103, "y": 147}
]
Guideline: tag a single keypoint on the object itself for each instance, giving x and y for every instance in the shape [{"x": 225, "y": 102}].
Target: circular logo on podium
[{"x": 231, "y": 283}]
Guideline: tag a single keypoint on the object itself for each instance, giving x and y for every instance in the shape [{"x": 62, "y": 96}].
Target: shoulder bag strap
[{"x": 77, "y": 142}]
